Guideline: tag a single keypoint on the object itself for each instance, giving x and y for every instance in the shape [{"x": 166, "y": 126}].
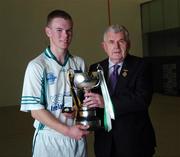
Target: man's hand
[
  {"x": 93, "y": 100},
  {"x": 77, "y": 131}
]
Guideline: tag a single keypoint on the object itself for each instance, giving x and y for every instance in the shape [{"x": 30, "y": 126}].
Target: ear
[
  {"x": 48, "y": 31},
  {"x": 103, "y": 45},
  {"x": 128, "y": 46}
]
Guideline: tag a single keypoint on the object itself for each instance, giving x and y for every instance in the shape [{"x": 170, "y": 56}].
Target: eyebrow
[{"x": 64, "y": 29}]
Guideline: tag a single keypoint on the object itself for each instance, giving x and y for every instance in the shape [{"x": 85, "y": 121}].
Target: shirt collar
[
  {"x": 111, "y": 64},
  {"x": 49, "y": 54}
]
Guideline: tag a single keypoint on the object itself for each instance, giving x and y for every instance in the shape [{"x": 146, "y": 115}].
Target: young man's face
[
  {"x": 60, "y": 33},
  {"x": 115, "y": 46}
]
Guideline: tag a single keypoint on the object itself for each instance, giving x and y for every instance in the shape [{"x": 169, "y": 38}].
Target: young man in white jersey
[{"x": 46, "y": 91}]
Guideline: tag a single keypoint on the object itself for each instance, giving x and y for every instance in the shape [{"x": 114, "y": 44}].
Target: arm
[
  {"x": 94, "y": 98},
  {"x": 134, "y": 93},
  {"x": 45, "y": 117},
  {"x": 34, "y": 100}
]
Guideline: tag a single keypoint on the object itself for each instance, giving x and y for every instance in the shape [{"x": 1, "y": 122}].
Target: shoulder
[
  {"x": 78, "y": 62},
  {"x": 77, "y": 58},
  {"x": 132, "y": 60},
  {"x": 37, "y": 64},
  {"x": 137, "y": 64},
  {"x": 102, "y": 63}
]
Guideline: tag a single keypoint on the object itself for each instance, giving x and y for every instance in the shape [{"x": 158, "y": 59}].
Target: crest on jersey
[
  {"x": 51, "y": 78},
  {"x": 56, "y": 102}
]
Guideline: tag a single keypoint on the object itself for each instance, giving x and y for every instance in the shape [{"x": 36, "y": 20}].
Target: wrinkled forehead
[{"x": 112, "y": 35}]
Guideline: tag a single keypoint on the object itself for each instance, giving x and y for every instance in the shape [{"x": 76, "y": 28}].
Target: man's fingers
[{"x": 83, "y": 127}]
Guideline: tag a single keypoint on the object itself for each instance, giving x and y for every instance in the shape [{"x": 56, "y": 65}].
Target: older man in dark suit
[{"x": 130, "y": 89}]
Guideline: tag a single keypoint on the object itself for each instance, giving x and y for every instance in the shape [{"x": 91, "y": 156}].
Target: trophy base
[{"x": 93, "y": 124}]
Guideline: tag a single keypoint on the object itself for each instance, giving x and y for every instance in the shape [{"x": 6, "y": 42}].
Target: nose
[
  {"x": 65, "y": 33},
  {"x": 117, "y": 45}
]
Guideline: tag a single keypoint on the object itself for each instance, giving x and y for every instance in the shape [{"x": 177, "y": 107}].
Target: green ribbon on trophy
[{"x": 108, "y": 106}]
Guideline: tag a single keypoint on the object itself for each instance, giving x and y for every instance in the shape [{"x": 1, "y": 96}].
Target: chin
[
  {"x": 65, "y": 46},
  {"x": 118, "y": 56}
]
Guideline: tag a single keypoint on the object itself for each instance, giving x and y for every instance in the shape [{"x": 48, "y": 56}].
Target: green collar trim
[{"x": 49, "y": 54}]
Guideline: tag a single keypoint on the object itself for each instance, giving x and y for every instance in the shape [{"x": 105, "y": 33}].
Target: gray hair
[{"x": 117, "y": 28}]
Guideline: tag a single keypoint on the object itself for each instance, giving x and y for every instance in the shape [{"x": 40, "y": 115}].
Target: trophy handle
[
  {"x": 76, "y": 102},
  {"x": 99, "y": 81}
]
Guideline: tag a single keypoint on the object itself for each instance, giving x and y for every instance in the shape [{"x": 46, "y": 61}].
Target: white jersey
[{"x": 46, "y": 84}]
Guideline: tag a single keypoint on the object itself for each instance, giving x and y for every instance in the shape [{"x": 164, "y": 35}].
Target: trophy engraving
[{"x": 84, "y": 82}]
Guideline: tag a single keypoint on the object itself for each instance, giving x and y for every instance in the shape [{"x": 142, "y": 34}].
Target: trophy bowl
[
  {"x": 85, "y": 115},
  {"x": 85, "y": 80}
]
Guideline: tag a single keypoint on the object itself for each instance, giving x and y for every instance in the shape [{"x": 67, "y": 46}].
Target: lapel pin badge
[{"x": 125, "y": 72}]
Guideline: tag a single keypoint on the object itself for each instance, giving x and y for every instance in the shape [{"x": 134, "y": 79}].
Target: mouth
[
  {"x": 117, "y": 52},
  {"x": 64, "y": 41}
]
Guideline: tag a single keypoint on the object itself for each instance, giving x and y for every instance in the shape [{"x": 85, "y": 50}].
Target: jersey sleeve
[
  {"x": 32, "y": 93},
  {"x": 81, "y": 64}
]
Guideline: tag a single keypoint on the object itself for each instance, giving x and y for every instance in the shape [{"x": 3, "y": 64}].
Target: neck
[
  {"x": 116, "y": 61},
  {"x": 59, "y": 54}
]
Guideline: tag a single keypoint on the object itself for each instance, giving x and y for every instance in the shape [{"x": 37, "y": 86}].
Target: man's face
[
  {"x": 115, "y": 46},
  {"x": 60, "y": 33}
]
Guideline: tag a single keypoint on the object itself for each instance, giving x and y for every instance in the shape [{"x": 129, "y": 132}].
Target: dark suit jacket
[{"x": 132, "y": 134}]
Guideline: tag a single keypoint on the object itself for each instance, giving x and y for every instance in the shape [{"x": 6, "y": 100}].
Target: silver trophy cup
[{"x": 85, "y": 115}]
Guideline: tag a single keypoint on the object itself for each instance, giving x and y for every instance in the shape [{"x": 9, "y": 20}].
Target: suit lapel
[
  {"x": 105, "y": 65},
  {"x": 124, "y": 74}
]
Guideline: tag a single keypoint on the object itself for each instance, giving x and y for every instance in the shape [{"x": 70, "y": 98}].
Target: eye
[
  {"x": 111, "y": 41},
  {"x": 122, "y": 41},
  {"x": 69, "y": 31},
  {"x": 59, "y": 30}
]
